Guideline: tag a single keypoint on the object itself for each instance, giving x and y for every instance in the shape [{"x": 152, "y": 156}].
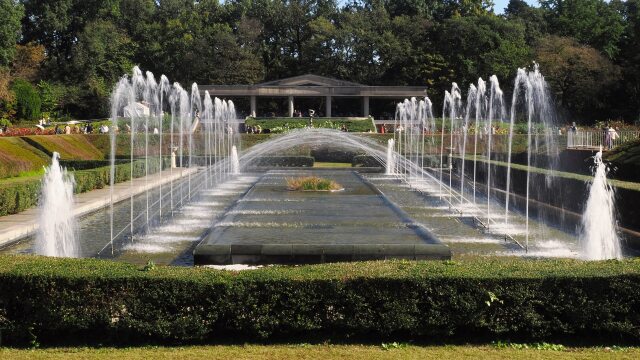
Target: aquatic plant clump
[{"x": 312, "y": 183}]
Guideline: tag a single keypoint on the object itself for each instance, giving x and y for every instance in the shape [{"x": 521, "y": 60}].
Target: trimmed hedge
[
  {"x": 282, "y": 161},
  {"x": 324, "y": 154},
  {"x": 365, "y": 161},
  {"x": 73, "y": 165},
  {"x": 19, "y": 194},
  {"x": 98, "y": 178},
  {"x": 62, "y": 301},
  {"x": 280, "y": 125}
]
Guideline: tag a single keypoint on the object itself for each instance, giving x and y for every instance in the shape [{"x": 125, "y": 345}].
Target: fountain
[
  {"x": 166, "y": 119},
  {"x": 234, "y": 161},
  {"x": 56, "y": 234},
  {"x": 193, "y": 168},
  {"x": 391, "y": 166},
  {"x": 598, "y": 237}
]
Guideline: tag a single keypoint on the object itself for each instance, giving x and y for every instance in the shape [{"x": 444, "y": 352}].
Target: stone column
[
  {"x": 290, "y": 106},
  {"x": 365, "y": 106},
  {"x": 254, "y": 105},
  {"x": 327, "y": 104}
]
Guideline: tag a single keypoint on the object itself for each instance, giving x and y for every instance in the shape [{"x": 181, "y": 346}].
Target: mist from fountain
[
  {"x": 531, "y": 92},
  {"x": 404, "y": 156},
  {"x": 56, "y": 234},
  {"x": 235, "y": 162},
  {"x": 472, "y": 99},
  {"x": 142, "y": 106},
  {"x": 451, "y": 109},
  {"x": 478, "y": 119},
  {"x": 598, "y": 235},
  {"x": 496, "y": 110},
  {"x": 390, "y": 165},
  {"x": 415, "y": 118}
]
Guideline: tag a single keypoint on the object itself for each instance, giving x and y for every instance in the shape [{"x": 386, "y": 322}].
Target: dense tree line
[{"x": 64, "y": 56}]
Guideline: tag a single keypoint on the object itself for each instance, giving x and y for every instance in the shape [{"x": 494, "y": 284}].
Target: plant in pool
[
  {"x": 312, "y": 183},
  {"x": 150, "y": 266},
  {"x": 393, "y": 345},
  {"x": 536, "y": 346}
]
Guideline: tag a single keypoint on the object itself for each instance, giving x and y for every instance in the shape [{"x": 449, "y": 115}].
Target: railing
[{"x": 594, "y": 139}]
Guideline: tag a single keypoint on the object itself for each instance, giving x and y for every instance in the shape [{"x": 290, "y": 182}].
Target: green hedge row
[
  {"x": 63, "y": 301},
  {"x": 280, "y": 125},
  {"x": 73, "y": 165},
  {"x": 365, "y": 161},
  {"x": 19, "y": 194},
  {"x": 282, "y": 161},
  {"x": 98, "y": 178}
]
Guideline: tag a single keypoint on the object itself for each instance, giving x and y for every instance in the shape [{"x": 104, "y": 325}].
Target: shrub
[
  {"x": 324, "y": 154},
  {"x": 365, "y": 161},
  {"x": 61, "y": 301},
  {"x": 281, "y": 125},
  {"x": 18, "y": 194},
  {"x": 312, "y": 183},
  {"x": 281, "y": 161},
  {"x": 28, "y": 100}
]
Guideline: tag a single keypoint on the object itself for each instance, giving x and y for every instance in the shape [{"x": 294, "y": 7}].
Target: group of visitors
[
  {"x": 254, "y": 129},
  {"x": 102, "y": 129},
  {"x": 66, "y": 129}
]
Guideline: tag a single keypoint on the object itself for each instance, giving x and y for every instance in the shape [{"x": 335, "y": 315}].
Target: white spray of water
[
  {"x": 391, "y": 166},
  {"x": 56, "y": 236},
  {"x": 599, "y": 238},
  {"x": 234, "y": 161}
]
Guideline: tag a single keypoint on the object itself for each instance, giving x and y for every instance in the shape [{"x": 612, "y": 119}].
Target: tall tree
[
  {"x": 533, "y": 19},
  {"x": 629, "y": 59},
  {"x": 11, "y": 14},
  {"x": 580, "y": 76},
  {"x": 482, "y": 46},
  {"x": 102, "y": 55},
  {"x": 592, "y": 22}
]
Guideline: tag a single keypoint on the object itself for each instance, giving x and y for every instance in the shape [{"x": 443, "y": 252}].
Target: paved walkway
[{"x": 18, "y": 226}]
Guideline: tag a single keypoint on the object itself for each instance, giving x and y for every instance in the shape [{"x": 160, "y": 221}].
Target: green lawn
[{"x": 304, "y": 351}]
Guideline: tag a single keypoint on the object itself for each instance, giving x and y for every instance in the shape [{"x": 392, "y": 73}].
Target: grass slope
[
  {"x": 306, "y": 351},
  {"x": 70, "y": 147},
  {"x": 18, "y": 157}
]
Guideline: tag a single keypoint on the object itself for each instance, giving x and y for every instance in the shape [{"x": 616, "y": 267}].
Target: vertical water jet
[
  {"x": 598, "y": 236},
  {"x": 56, "y": 234}
]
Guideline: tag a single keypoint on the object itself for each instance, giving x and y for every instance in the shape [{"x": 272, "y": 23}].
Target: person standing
[{"x": 613, "y": 135}]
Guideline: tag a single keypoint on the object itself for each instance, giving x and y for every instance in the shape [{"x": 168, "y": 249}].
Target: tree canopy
[{"x": 73, "y": 51}]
